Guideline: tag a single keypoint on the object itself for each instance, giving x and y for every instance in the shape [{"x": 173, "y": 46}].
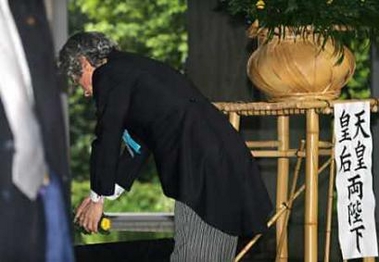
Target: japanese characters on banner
[{"x": 355, "y": 196}]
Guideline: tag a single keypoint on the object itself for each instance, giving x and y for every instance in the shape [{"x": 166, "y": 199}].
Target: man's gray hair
[{"x": 94, "y": 46}]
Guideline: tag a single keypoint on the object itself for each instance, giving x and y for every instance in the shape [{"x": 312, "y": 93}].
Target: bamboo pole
[
  {"x": 325, "y": 144},
  {"x": 234, "y": 119},
  {"x": 258, "y": 236},
  {"x": 268, "y": 143},
  {"x": 369, "y": 259},
  {"x": 288, "y": 153},
  {"x": 329, "y": 207},
  {"x": 282, "y": 187},
  {"x": 283, "y": 236},
  {"x": 311, "y": 185},
  {"x": 275, "y": 144}
]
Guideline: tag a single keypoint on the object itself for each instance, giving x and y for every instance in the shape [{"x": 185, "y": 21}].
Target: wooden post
[
  {"x": 282, "y": 188},
  {"x": 311, "y": 186}
]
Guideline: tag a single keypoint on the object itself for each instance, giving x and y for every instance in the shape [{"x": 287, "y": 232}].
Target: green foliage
[
  {"x": 359, "y": 85},
  {"x": 153, "y": 28},
  {"x": 359, "y": 17},
  {"x": 82, "y": 125},
  {"x": 143, "y": 197}
]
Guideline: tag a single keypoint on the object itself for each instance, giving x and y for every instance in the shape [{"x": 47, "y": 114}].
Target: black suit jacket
[
  {"x": 22, "y": 225},
  {"x": 201, "y": 160}
]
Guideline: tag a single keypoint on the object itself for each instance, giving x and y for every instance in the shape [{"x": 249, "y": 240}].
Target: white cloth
[
  {"x": 16, "y": 94},
  {"x": 355, "y": 197}
]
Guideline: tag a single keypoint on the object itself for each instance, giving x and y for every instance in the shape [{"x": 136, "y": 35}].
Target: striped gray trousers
[{"x": 196, "y": 241}]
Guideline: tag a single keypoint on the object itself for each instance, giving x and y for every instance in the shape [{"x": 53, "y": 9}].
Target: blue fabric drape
[{"x": 58, "y": 241}]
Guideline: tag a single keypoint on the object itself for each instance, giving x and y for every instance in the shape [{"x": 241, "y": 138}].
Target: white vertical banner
[{"x": 355, "y": 196}]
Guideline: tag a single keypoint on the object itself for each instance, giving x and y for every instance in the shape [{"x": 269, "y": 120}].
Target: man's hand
[{"x": 88, "y": 214}]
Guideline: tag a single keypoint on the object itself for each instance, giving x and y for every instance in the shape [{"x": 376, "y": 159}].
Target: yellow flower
[
  {"x": 105, "y": 224},
  {"x": 260, "y": 4}
]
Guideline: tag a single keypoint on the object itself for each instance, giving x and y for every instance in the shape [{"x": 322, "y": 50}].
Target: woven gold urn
[{"x": 294, "y": 67}]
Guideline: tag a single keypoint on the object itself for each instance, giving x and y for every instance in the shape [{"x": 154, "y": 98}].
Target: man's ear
[{"x": 84, "y": 62}]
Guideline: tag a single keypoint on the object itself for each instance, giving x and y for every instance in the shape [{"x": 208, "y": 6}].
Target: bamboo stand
[{"x": 283, "y": 111}]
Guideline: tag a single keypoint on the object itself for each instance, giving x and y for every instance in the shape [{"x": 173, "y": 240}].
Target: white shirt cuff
[
  {"x": 95, "y": 197},
  {"x": 118, "y": 190}
]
